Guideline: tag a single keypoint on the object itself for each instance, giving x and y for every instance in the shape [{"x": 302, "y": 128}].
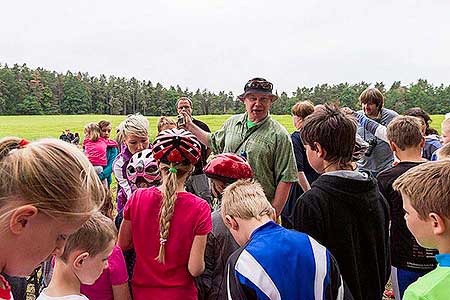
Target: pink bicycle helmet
[
  {"x": 143, "y": 166},
  {"x": 176, "y": 146},
  {"x": 228, "y": 167}
]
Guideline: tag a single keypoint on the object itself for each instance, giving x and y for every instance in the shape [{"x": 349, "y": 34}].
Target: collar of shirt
[
  {"x": 443, "y": 260},
  {"x": 244, "y": 119},
  {"x": 261, "y": 229}
]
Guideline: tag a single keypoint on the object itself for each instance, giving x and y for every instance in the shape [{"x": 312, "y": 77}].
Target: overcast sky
[{"x": 220, "y": 44}]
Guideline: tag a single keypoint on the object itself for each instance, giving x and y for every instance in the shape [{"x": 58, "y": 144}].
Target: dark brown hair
[
  {"x": 103, "y": 123},
  {"x": 334, "y": 131},
  {"x": 420, "y": 113},
  {"x": 372, "y": 96}
]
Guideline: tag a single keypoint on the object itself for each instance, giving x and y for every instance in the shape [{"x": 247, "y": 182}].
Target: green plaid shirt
[{"x": 269, "y": 149}]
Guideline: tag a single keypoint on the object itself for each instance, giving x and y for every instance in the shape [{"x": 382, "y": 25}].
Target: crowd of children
[{"x": 351, "y": 231}]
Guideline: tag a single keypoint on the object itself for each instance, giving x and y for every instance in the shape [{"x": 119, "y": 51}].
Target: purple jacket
[{"x": 124, "y": 187}]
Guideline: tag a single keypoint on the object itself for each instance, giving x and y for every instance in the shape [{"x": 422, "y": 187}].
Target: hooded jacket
[{"x": 345, "y": 212}]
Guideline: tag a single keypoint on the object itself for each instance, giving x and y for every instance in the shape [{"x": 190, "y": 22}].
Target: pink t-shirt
[
  {"x": 172, "y": 280},
  {"x": 5, "y": 293},
  {"x": 96, "y": 151},
  {"x": 115, "y": 274}
]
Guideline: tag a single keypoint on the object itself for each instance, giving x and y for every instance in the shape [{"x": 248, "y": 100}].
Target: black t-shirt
[
  {"x": 202, "y": 161},
  {"x": 301, "y": 159},
  {"x": 406, "y": 253}
]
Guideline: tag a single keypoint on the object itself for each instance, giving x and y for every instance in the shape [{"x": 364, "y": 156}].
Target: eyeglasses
[{"x": 258, "y": 84}]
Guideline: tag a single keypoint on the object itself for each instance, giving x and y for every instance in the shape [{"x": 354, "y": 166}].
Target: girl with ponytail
[{"x": 166, "y": 225}]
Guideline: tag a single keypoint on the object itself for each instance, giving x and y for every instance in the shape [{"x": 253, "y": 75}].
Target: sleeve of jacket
[
  {"x": 204, "y": 282},
  {"x": 236, "y": 290},
  {"x": 337, "y": 289}
]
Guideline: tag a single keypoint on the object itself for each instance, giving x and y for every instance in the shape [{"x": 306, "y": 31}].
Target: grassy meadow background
[{"x": 35, "y": 127}]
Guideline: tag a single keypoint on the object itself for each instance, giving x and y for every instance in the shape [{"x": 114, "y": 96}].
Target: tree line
[{"x": 24, "y": 91}]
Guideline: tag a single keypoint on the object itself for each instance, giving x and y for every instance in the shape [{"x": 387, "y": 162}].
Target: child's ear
[
  {"x": 422, "y": 143},
  {"x": 321, "y": 152},
  {"x": 231, "y": 223},
  {"x": 20, "y": 218},
  {"x": 273, "y": 215},
  {"x": 393, "y": 146},
  {"x": 438, "y": 224},
  {"x": 80, "y": 259}
]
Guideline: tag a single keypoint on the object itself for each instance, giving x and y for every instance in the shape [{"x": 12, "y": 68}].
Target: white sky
[{"x": 220, "y": 44}]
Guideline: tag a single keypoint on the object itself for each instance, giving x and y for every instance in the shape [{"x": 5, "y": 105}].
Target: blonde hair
[
  {"x": 302, "y": 109},
  {"x": 445, "y": 126},
  {"x": 245, "y": 199},
  {"x": 405, "y": 132},
  {"x": 93, "y": 237},
  {"x": 92, "y": 131},
  {"x": 443, "y": 152},
  {"x": 135, "y": 124},
  {"x": 165, "y": 123},
  {"x": 428, "y": 188},
  {"x": 169, "y": 186},
  {"x": 52, "y": 175}
]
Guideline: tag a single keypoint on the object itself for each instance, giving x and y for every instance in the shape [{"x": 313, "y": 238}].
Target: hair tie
[
  {"x": 173, "y": 170},
  {"x": 162, "y": 241},
  {"x": 23, "y": 143}
]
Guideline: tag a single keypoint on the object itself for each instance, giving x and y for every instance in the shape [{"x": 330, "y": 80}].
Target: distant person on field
[
  {"x": 344, "y": 210},
  {"x": 95, "y": 148},
  {"x": 167, "y": 226},
  {"x": 409, "y": 261},
  {"x": 69, "y": 135},
  {"x": 306, "y": 174},
  {"x": 84, "y": 259},
  {"x": 379, "y": 156},
  {"x": 432, "y": 142},
  {"x": 425, "y": 191},
  {"x": 273, "y": 262},
  {"x": 222, "y": 170},
  {"x": 63, "y": 136},
  {"x": 76, "y": 139},
  {"x": 255, "y": 135},
  {"x": 111, "y": 152},
  {"x": 197, "y": 183}
]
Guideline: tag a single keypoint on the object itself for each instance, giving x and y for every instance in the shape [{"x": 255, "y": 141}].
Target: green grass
[{"x": 35, "y": 127}]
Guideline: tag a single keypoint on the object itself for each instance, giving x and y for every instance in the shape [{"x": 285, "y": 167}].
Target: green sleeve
[
  {"x": 285, "y": 166},
  {"x": 216, "y": 140}
]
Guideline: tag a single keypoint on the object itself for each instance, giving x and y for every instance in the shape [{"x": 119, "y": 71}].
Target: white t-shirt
[{"x": 43, "y": 296}]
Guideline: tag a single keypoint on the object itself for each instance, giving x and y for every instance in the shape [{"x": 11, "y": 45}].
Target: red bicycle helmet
[
  {"x": 176, "y": 146},
  {"x": 228, "y": 167}
]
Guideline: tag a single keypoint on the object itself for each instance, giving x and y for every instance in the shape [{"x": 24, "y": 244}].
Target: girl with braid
[{"x": 167, "y": 226}]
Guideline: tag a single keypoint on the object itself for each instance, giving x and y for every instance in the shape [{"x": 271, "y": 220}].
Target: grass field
[{"x": 35, "y": 127}]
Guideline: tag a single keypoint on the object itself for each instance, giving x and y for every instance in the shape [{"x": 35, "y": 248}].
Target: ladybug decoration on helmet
[
  {"x": 142, "y": 170},
  {"x": 228, "y": 167},
  {"x": 176, "y": 146}
]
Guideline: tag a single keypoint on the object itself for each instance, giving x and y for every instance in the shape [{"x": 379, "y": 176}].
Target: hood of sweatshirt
[{"x": 356, "y": 189}]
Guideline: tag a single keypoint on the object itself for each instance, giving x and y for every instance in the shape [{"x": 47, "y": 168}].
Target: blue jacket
[
  {"x": 111, "y": 153},
  {"x": 283, "y": 264}
]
